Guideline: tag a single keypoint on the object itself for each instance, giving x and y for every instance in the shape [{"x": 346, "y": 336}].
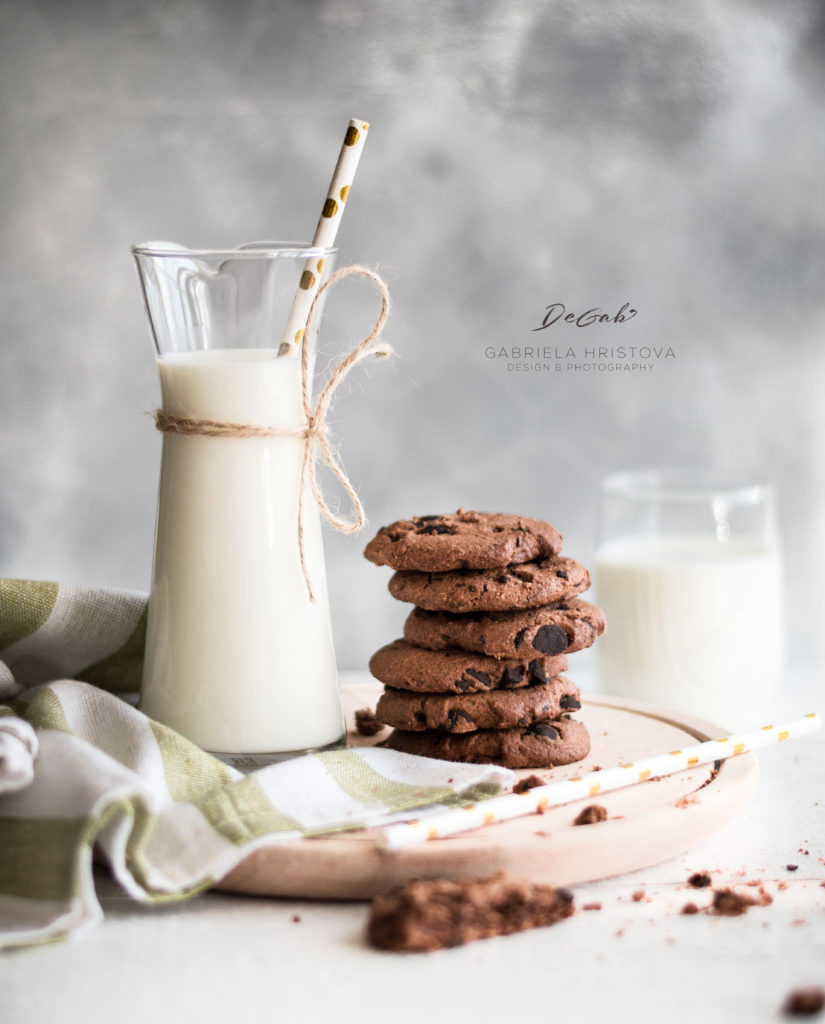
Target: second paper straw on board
[{"x": 555, "y": 794}]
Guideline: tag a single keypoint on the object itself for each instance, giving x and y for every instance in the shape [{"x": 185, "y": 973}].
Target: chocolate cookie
[
  {"x": 406, "y": 667},
  {"x": 436, "y": 913},
  {"x": 462, "y": 540},
  {"x": 560, "y": 628},
  {"x": 496, "y": 709},
  {"x": 528, "y": 585},
  {"x": 538, "y": 746}
]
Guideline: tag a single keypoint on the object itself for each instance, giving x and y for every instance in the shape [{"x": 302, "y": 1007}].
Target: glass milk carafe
[{"x": 238, "y": 659}]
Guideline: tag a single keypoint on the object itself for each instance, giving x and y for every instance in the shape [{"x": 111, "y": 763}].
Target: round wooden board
[{"x": 646, "y": 823}]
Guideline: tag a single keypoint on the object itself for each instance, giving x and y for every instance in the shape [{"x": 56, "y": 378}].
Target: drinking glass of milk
[
  {"x": 688, "y": 573},
  {"x": 239, "y": 656}
]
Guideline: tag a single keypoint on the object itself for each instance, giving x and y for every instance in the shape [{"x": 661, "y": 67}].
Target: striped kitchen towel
[{"x": 83, "y": 770}]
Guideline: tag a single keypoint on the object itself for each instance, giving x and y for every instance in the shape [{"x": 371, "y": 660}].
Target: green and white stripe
[
  {"x": 168, "y": 818},
  {"x": 50, "y": 632}
]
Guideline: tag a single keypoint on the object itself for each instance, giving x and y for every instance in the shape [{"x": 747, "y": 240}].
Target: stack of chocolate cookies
[{"x": 477, "y": 676}]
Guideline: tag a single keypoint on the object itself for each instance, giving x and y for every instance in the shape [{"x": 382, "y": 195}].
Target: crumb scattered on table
[
  {"x": 804, "y": 1002},
  {"x": 366, "y": 723},
  {"x": 523, "y": 785},
  {"x": 591, "y": 815}
]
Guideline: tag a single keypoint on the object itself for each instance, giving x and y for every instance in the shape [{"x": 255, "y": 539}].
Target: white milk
[
  {"x": 692, "y": 624},
  {"x": 237, "y": 658}
]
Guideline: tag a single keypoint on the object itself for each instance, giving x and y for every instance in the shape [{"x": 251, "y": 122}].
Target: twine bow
[{"x": 316, "y": 431}]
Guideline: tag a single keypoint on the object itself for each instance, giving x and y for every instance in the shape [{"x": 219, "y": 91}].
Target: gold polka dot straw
[
  {"x": 518, "y": 805},
  {"x": 325, "y": 233}
]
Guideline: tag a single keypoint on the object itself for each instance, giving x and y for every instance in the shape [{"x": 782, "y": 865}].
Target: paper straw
[
  {"x": 518, "y": 805},
  {"x": 325, "y": 233}
]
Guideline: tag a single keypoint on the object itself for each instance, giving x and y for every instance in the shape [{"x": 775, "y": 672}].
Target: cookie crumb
[
  {"x": 638, "y": 896},
  {"x": 523, "y": 785},
  {"x": 791, "y": 867},
  {"x": 727, "y": 903},
  {"x": 591, "y": 906},
  {"x": 296, "y": 918},
  {"x": 699, "y": 880},
  {"x": 366, "y": 723},
  {"x": 804, "y": 1002},
  {"x": 591, "y": 815},
  {"x": 689, "y": 908}
]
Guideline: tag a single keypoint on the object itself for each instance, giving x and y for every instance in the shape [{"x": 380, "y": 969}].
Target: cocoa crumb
[
  {"x": 714, "y": 772},
  {"x": 727, "y": 903},
  {"x": 366, "y": 723},
  {"x": 591, "y": 815},
  {"x": 804, "y": 1002},
  {"x": 689, "y": 908},
  {"x": 791, "y": 867},
  {"x": 523, "y": 785},
  {"x": 699, "y": 880}
]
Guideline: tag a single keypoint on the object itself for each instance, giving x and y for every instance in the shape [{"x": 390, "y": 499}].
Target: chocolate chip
[
  {"x": 522, "y": 633},
  {"x": 550, "y": 640},
  {"x": 434, "y": 528},
  {"x": 420, "y": 717},
  {"x": 569, "y": 703},
  {"x": 479, "y": 676},
  {"x": 562, "y": 573},
  {"x": 511, "y": 677},
  {"x": 545, "y": 730},
  {"x": 463, "y": 685},
  {"x": 455, "y": 716},
  {"x": 537, "y": 673}
]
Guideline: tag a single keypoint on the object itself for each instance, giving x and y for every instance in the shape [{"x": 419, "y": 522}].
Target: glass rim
[
  {"x": 249, "y": 250},
  {"x": 682, "y": 485}
]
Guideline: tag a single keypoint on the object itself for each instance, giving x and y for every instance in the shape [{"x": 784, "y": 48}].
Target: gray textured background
[{"x": 522, "y": 153}]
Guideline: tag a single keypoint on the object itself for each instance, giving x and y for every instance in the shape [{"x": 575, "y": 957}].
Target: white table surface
[{"x": 222, "y": 957}]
